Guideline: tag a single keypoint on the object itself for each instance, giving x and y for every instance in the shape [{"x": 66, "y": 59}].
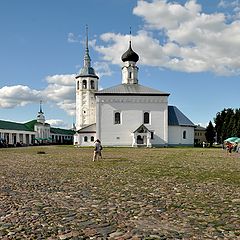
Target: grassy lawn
[{"x": 158, "y": 193}]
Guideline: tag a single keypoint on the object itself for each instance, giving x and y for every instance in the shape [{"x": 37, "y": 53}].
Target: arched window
[
  {"x": 92, "y": 138},
  {"x": 184, "y": 134},
  {"x": 146, "y": 118},
  {"x": 77, "y": 85},
  {"x": 92, "y": 84},
  {"x": 85, "y": 138},
  {"x": 84, "y": 84},
  {"x": 117, "y": 118},
  {"x": 130, "y": 74}
]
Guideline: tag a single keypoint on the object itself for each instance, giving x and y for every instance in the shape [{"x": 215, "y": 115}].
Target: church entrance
[{"x": 141, "y": 137}]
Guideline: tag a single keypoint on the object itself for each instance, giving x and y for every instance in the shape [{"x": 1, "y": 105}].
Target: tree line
[{"x": 227, "y": 124}]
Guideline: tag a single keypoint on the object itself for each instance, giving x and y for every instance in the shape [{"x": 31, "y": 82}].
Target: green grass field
[{"x": 158, "y": 193}]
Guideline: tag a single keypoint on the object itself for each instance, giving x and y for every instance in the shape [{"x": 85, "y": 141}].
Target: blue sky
[{"x": 190, "y": 49}]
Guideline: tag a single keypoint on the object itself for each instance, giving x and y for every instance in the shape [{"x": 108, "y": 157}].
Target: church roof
[
  {"x": 88, "y": 129},
  {"x": 130, "y": 55},
  {"x": 177, "y": 118},
  {"x": 142, "y": 129},
  {"x": 87, "y": 72},
  {"x": 131, "y": 90}
]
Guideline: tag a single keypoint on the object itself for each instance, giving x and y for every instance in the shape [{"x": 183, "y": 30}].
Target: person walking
[{"x": 97, "y": 150}]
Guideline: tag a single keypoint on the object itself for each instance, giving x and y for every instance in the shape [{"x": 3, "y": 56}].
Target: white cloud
[
  {"x": 57, "y": 123},
  {"x": 72, "y": 38},
  {"x": 61, "y": 90},
  {"x": 194, "y": 41},
  {"x": 62, "y": 79},
  {"x": 229, "y": 4},
  {"x": 162, "y": 14},
  {"x": 19, "y": 95},
  {"x": 102, "y": 69}
]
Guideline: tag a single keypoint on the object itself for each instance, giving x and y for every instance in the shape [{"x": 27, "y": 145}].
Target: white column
[
  {"x": 98, "y": 118},
  {"x": 10, "y": 138},
  {"x": 17, "y": 137},
  {"x": 148, "y": 139},
  {"x": 24, "y": 138},
  {"x": 133, "y": 140}
]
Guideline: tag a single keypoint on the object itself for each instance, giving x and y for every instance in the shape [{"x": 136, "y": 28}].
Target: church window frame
[
  {"x": 152, "y": 134},
  {"x": 117, "y": 117},
  {"x": 84, "y": 84},
  {"x": 85, "y": 139},
  {"x": 184, "y": 134},
  {"x": 92, "y": 138},
  {"x": 92, "y": 84},
  {"x": 77, "y": 85},
  {"x": 146, "y": 117}
]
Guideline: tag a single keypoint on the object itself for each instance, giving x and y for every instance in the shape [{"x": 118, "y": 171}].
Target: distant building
[
  {"x": 128, "y": 114},
  {"x": 33, "y": 132},
  {"x": 199, "y": 135}
]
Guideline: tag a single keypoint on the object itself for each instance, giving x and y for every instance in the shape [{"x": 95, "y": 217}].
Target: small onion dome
[{"x": 130, "y": 55}]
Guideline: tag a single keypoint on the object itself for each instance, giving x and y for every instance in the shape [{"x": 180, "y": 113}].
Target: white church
[{"x": 128, "y": 114}]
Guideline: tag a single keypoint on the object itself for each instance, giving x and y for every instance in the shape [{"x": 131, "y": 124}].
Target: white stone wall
[
  {"x": 15, "y": 136},
  {"x": 175, "y": 135},
  {"x": 42, "y": 130},
  {"x": 79, "y": 139},
  {"x": 131, "y": 109}
]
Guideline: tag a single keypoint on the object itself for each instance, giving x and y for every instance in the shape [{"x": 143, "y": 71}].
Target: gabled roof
[
  {"x": 31, "y": 124},
  {"x": 142, "y": 129},
  {"x": 88, "y": 129},
  {"x": 177, "y": 118},
  {"x": 131, "y": 90},
  {"x": 14, "y": 126}
]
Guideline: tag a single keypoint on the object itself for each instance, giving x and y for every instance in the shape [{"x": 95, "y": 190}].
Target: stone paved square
[{"x": 162, "y": 193}]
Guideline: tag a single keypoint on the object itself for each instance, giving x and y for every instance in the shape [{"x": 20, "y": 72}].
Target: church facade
[{"x": 128, "y": 114}]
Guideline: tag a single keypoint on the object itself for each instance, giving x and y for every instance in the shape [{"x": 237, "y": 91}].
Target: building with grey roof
[{"x": 128, "y": 114}]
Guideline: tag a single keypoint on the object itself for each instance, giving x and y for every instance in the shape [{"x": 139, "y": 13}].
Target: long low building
[{"x": 33, "y": 132}]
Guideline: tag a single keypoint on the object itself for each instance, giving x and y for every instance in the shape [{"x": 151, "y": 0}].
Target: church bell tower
[{"x": 86, "y": 87}]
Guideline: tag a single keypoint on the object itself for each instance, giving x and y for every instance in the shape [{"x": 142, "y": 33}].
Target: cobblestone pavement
[{"x": 130, "y": 194}]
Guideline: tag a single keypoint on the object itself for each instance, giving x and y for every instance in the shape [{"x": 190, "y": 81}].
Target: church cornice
[
  {"x": 91, "y": 76},
  {"x": 132, "y": 100},
  {"x": 131, "y": 94}
]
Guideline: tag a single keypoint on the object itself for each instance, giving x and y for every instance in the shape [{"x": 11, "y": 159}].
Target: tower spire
[
  {"x": 130, "y": 34},
  {"x": 87, "y": 59},
  {"x": 40, "y": 111}
]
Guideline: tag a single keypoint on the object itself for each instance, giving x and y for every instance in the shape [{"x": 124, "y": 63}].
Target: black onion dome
[{"x": 130, "y": 55}]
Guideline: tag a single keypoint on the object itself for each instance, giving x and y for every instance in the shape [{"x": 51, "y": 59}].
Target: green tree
[
  {"x": 210, "y": 134},
  {"x": 219, "y": 120},
  {"x": 227, "y": 124}
]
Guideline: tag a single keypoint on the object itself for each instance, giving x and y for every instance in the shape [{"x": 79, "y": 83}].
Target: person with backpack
[{"x": 97, "y": 150}]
